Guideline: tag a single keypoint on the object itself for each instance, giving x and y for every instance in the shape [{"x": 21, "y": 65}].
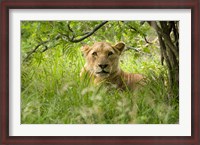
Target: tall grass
[{"x": 53, "y": 93}]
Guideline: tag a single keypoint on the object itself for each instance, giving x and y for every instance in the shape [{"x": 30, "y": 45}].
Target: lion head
[{"x": 102, "y": 59}]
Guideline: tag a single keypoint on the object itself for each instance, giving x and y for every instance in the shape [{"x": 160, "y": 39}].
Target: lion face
[{"x": 102, "y": 58}]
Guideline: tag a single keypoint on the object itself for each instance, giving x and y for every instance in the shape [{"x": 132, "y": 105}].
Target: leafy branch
[
  {"x": 41, "y": 44},
  {"x": 136, "y": 50},
  {"x": 137, "y": 31},
  {"x": 74, "y": 38}
]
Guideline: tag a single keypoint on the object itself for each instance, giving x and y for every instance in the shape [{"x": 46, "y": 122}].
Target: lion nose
[{"x": 103, "y": 65}]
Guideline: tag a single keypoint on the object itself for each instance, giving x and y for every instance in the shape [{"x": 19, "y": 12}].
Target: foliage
[{"x": 53, "y": 92}]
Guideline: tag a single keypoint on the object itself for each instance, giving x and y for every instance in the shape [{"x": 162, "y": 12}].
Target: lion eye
[
  {"x": 94, "y": 53},
  {"x": 110, "y": 53}
]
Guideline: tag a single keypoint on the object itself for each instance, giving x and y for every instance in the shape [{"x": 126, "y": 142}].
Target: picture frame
[{"x": 6, "y": 5}]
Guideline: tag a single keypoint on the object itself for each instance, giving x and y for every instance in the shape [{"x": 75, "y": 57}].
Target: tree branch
[
  {"x": 35, "y": 49},
  {"x": 40, "y": 44},
  {"x": 137, "y": 50},
  {"x": 140, "y": 34},
  {"x": 74, "y": 40},
  {"x": 70, "y": 29}
]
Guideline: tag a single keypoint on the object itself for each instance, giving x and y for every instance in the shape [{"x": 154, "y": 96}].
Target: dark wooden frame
[{"x": 5, "y": 139}]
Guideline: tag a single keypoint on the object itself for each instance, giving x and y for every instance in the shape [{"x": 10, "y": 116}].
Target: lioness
[{"x": 102, "y": 64}]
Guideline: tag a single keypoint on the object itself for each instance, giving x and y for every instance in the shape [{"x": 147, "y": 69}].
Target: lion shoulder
[{"x": 131, "y": 80}]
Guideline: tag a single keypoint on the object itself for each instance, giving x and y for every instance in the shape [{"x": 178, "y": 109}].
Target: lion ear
[
  {"x": 120, "y": 46},
  {"x": 85, "y": 49}
]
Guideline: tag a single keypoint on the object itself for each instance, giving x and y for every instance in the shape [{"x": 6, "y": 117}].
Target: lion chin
[{"x": 102, "y": 64}]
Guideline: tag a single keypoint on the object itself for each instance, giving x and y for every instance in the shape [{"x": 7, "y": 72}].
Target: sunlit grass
[{"x": 53, "y": 93}]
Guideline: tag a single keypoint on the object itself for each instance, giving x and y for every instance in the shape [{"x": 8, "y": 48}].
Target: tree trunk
[{"x": 168, "y": 36}]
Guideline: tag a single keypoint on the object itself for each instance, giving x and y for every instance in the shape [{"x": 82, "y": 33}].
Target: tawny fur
[{"x": 103, "y": 53}]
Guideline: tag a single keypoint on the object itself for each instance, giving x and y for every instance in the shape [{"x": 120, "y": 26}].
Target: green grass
[{"x": 53, "y": 93}]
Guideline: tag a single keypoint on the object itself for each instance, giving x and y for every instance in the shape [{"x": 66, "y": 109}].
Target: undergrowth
[{"x": 53, "y": 93}]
